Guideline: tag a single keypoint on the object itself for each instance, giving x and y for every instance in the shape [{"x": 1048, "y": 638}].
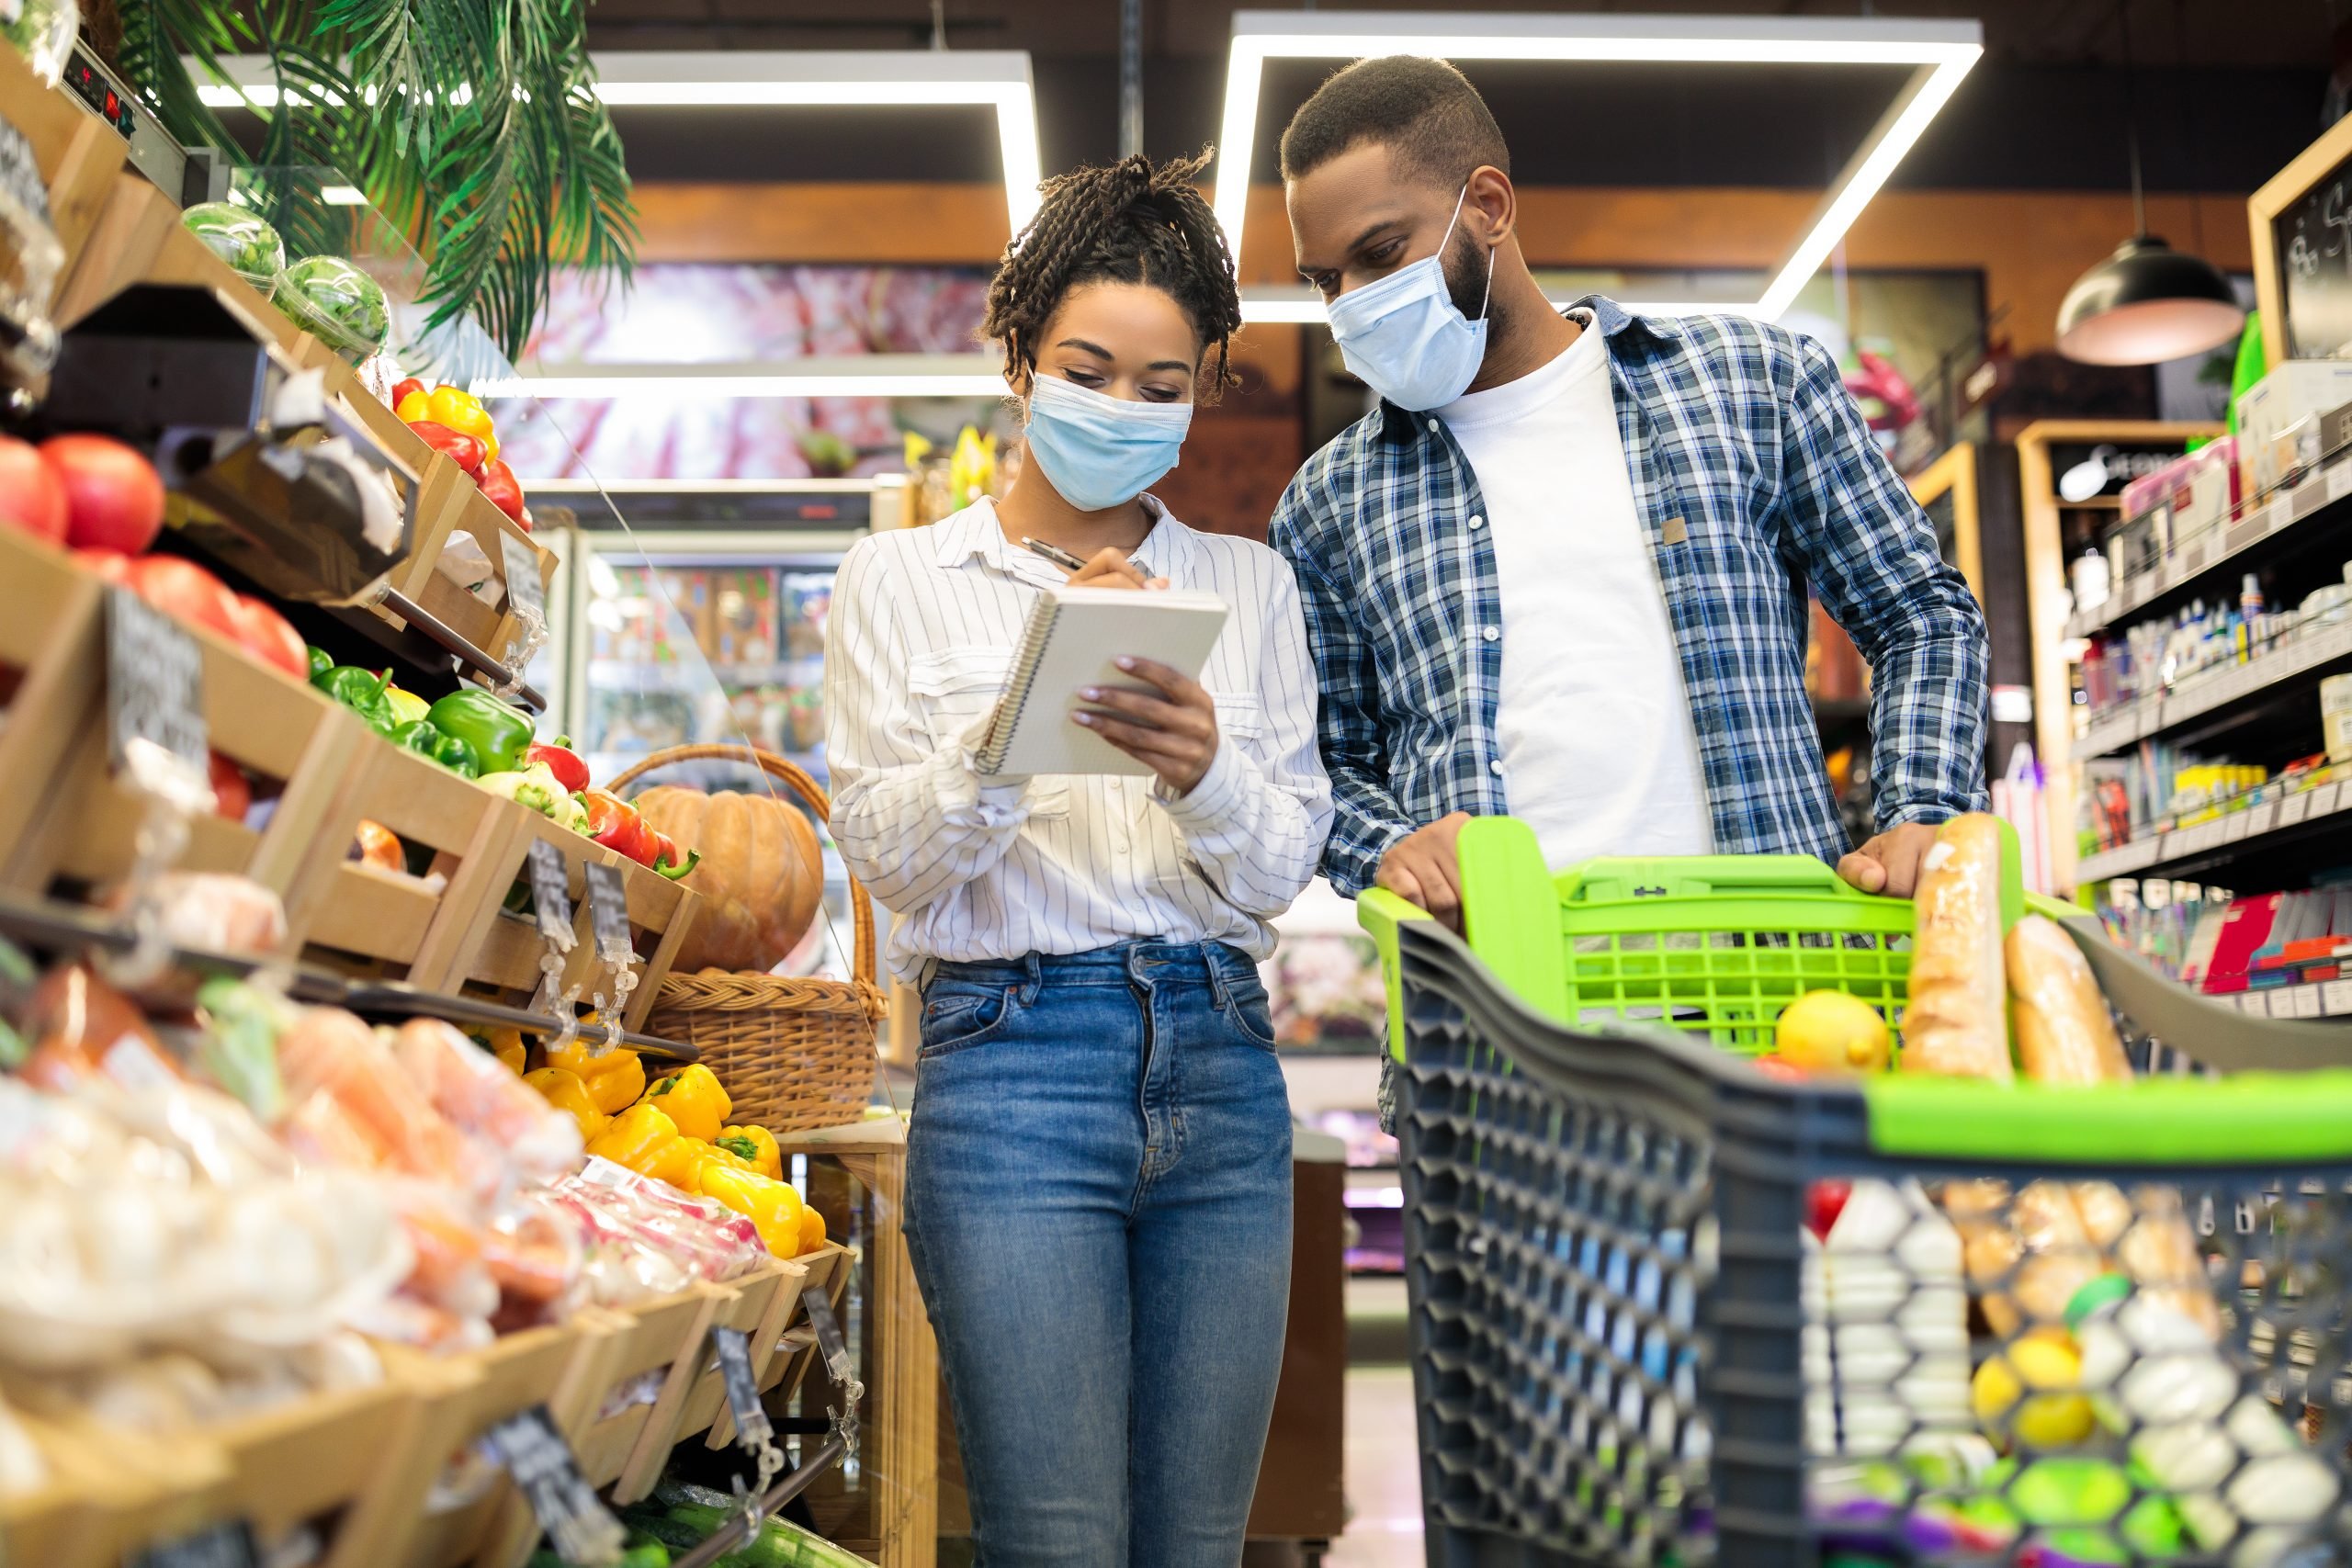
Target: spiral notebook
[{"x": 1073, "y": 636}]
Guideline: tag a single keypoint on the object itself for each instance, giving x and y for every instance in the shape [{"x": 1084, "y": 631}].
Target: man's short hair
[{"x": 1424, "y": 111}]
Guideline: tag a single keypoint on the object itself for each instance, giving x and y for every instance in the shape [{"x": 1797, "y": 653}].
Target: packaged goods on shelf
[{"x": 2298, "y": 390}]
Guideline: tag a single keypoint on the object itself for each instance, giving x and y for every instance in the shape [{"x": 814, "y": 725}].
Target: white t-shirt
[{"x": 1598, "y": 753}]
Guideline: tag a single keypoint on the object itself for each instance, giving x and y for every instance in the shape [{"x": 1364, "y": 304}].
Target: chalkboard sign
[{"x": 2312, "y": 242}]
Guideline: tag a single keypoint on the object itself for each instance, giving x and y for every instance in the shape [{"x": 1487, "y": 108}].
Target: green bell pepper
[
  {"x": 321, "y": 662},
  {"x": 424, "y": 737},
  {"x": 497, "y": 731},
  {"x": 361, "y": 691}
]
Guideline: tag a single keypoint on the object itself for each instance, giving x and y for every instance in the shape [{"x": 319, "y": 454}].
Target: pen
[{"x": 1062, "y": 558}]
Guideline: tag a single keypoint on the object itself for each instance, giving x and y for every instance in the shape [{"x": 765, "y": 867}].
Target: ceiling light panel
[{"x": 1941, "y": 53}]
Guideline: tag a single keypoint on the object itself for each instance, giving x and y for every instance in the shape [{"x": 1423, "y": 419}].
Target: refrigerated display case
[{"x": 731, "y": 579}]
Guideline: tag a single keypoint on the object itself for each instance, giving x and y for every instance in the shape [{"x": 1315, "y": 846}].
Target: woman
[{"x": 1098, "y": 1184}]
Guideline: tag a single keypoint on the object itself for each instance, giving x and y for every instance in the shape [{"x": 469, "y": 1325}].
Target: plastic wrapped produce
[
  {"x": 647, "y": 1238},
  {"x": 471, "y": 1088},
  {"x": 159, "y": 1218},
  {"x": 385, "y": 1117},
  {"x": 341, "y": 305},
  {"x": 241, "y": 237}
]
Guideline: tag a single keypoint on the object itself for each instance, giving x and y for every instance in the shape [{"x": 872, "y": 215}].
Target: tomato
[
  {"x": 186, "y": 592},
  {"x": 232, "y": 795},
  {"x": 262, "y": 632},
  {"x": 30, "y": 495},
  {"x": 114, "y": 497}
]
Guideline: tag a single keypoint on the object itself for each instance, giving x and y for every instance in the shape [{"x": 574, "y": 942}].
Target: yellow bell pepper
[
  {"x": 568, "y": 1094},
  {"x": 506, "y": 1044},
  {"x": 692, "y": 1098},
  {"x": 414, "y": 407},
  {"x": 457, "y": 410},
  {"x": 756, "y": 1145},
  {"x": 772, "y": 1207},
  {"x": 642, "y": 1139},
  {"x": 812, "y": 1230},
  {"x": 614, "y": 1080}
]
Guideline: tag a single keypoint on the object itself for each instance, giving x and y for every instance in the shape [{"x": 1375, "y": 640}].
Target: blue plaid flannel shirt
[{"x": 1745, "y": 434}]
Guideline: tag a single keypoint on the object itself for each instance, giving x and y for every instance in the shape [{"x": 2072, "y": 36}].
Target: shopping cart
[{"x": 1631, "y": 1349}]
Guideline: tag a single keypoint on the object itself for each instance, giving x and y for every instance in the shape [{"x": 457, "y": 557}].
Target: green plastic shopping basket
[{"x": 1617, "y": 1347}]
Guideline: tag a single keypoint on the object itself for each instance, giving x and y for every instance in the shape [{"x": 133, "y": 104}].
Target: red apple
[
  {"x": 114, "y": 498},
  {"x": 30, "y": 495}
]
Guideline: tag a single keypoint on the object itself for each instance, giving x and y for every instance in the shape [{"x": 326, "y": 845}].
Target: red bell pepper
[
  {"x": 466, "y": 451},
  {"x": 233, "y": 793},
  {"x": 667, "y": 861},
  {"x": 561, "y": 760},
  {"x": 401, "y": 392},
  {"x": 614, "y": 823},
  {"x": 499, "y": 483}
]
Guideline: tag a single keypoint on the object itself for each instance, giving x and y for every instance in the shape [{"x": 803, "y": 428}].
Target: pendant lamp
[{"x": 2147, "y": 302}]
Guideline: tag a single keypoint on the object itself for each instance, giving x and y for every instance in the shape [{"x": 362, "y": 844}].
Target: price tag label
[
  {"x": 608, "y": 906},
  {"x": 2233, "y": 826},
  {"x": 2335, "y": 998},
  {"x": 2282, "y": 1004},
  {"x": 229, "y": 1544},
  {"x": 550, "y": 892},
  {"x": 2294, "y": 808},
  {"x": 2307, "y": 1001},
  {"x": 526, "y": 595},
  {"x": 543, "y": 1469},
  {"x": 734, "y": 1353},
  {"x": 2339, "y": 481},
  {"x": 2260, "y": 819},
  {"x": 2282, "y": 513},
  {"x": 2323, "y": 799},
  {"x": 155, "y": 683}
]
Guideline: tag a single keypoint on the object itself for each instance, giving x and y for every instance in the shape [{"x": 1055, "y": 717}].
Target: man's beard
[{"x": 1468, "y": 273}]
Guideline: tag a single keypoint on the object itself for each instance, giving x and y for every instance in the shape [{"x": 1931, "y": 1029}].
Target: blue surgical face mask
[
  {"x": 1404, "y": 336},
  {"x": 1099, "y": 451}
]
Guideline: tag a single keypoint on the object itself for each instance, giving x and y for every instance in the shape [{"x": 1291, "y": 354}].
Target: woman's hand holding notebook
[{"x": 1074, "y": 639}]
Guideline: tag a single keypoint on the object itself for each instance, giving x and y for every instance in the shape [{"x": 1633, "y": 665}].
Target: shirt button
[
  {"x": 1495, "y": 767},
  {"x": 1491, "y": 632},
  {"x": 1432, "y": 427},
  {"x": 1477, "y": 521}
]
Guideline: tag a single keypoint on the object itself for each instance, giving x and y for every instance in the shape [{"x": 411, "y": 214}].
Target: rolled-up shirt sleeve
[
  {"x": 1255, "y": 821},
  {"x": 914, "y": 818}
]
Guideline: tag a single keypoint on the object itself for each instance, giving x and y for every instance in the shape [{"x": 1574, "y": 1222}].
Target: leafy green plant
[{"x": 472, "y": 124}]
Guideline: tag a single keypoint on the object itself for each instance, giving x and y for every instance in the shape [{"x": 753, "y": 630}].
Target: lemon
[
  {"x": 1830, "y": 1032},
  {"x": 2055, "y": 1416}
]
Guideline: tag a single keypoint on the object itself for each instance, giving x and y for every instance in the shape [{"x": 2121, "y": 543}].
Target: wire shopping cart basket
[{"x": 1669, "y": 1311}]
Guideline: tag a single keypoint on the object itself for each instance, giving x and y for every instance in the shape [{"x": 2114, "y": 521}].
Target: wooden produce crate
[
  {"x": 318, "y": 1461},
  {"x": 762, "y": 1306},
  {"x": 628, "y": 1439},
  {"x": 137, "y": 238},
  {"x": 458, "y": 508},
  {"x": 80, "y": 826},
  {"x": 111, "y": 1493},
  {"x": 459, "y": 1399},
  {"x": 503, "y": 963},
  {"x": 794, "y": 1353},
  {"x": 394, "y": 926},
  {"x": 78, "y": 154}
]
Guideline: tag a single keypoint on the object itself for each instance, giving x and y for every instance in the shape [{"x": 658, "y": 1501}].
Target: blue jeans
[{"x": 1098, "y": 1207}]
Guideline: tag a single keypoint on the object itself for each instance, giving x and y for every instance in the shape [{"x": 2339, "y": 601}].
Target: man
[{"x": 1561, "y": 570}]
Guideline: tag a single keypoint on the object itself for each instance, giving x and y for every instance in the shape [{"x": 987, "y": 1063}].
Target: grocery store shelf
[
  {"x": 2263, "y": 819},
  {"x": 2217, "y": 548},
  {"x": 2319, "y": 998},
  {"x": 2212, "y": 691},
  {"x": 67, "y": 928}
]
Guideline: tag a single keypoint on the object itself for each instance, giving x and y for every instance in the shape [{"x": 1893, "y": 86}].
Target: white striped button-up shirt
[{"x": 919, "y": 644}]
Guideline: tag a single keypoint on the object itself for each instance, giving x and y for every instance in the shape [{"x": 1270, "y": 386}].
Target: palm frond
[{"x": 496, "y": 185}]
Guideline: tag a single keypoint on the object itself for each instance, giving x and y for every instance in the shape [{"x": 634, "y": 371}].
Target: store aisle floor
[{"x": 1382, "y": 1471}]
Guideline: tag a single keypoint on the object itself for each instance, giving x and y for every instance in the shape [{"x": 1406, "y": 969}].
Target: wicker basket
[{"x": 795, "y": 1055}]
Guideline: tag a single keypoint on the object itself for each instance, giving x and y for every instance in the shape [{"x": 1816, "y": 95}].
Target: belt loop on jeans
[{"x": 1037, "y": 980}]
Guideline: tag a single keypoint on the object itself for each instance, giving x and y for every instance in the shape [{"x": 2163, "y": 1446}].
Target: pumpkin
[{"x": 761, "y": 875}]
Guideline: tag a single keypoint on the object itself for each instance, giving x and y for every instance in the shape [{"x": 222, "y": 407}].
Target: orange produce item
[
  {"x": 760, "y": 875},
  {"x": 379, "y": 846},
  {"x": 86, "y": 1029},
  {"x": 327, "y": 1051}
]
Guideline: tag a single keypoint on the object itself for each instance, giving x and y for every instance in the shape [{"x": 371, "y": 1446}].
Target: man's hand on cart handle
[
  {"x": 1889, "y": 864},
  {"x": 1421, "y": 869}
]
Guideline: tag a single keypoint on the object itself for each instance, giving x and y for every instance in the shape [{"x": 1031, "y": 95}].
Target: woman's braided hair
[{"x": 1131, "y": 222}]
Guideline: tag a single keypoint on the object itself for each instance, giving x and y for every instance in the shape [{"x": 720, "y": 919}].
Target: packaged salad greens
[
  {"x": 344, "y": 306},
  {"x": 241, "y": 237}
]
